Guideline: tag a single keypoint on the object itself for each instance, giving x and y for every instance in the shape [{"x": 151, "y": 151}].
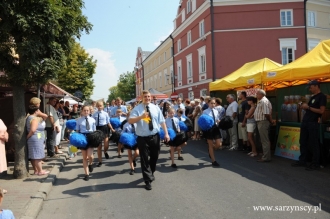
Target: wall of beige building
[
  {"x": 158, "y": 68},
  {"x": 318, "y": 21}
]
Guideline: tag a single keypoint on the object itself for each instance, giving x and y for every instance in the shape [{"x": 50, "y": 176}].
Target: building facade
[
  {"x": 138, "y": 69},
  {"x": 318, "y": 22},
  {"x": 158, "y": 68},
  {"x": 214, "y": 38}
]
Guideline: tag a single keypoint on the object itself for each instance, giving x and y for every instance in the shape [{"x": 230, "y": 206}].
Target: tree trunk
[{"x": 20, "y": 167}]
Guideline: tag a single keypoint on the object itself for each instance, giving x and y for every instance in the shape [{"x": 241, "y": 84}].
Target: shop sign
[{"x": 287, "y": 144}]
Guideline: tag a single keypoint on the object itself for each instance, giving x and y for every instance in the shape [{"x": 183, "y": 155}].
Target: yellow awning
[
  {"x": 249, "y": 75},
  {"x": 313, "y": 65}
]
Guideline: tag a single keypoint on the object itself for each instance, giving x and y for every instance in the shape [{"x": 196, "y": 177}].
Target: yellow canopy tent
[
  {"x": 249, "y": 75},
  {"x": 313, "y": 65}
]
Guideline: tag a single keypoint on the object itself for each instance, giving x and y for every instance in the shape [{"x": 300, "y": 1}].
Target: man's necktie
[
  {"x": 213, "y": 115},
  {"x": 174, "y": 127},
  {"x": 98, "y": 119},
  {"x": 87, "y": 124},
  {"x": 151, "y": 126}
]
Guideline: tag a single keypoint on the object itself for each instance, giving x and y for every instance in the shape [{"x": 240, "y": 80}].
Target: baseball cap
[
  {"x": 313, "y": 82},
  {"x": 35, "y": 100}
]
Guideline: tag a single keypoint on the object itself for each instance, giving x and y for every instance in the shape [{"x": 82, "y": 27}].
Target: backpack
[{"x": 225, "y": 123}]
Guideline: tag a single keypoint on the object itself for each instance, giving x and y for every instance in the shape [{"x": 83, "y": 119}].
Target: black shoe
[
  {"x": 215, "y": 164},
  {"x": 90, "y": 168},
  {"x": 174, "y": 165},
  {"x": 106, "y": 155},
  {"x": 298, "y": 164},
  {"x": 312, "y": 167},
  {"x": 122, "y": 150},
  {"x": 148, "y": 185},
  {"x": 132, "y": 172},
  {"x": 119, "y": 156},
  {"x": 99, "y": 164},
  {"x": 134, "y": 163},
  {"x": 180, "y": 158},
  {"x": 86, "y": 178}
]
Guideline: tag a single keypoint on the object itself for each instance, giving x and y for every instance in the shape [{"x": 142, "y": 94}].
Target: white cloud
[
  {"x": 162, "y": 38},
  {"x": 106, "y": 73}
]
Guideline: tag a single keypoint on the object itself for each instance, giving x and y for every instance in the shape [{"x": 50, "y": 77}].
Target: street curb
[{"x": 35, "y": 204}]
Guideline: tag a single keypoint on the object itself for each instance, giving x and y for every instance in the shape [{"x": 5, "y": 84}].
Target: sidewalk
[{"x": 25, "y": 196}]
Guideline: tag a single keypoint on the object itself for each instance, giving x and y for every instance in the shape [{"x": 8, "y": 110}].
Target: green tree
[
  {"x": 113, "y": 93},
  {"x": 78, "y": 72},
  {"x": 35, "y": 38},
  {"x": 126, "y": 86}
]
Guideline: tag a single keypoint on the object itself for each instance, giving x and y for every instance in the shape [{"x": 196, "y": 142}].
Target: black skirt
[
  {"x": 104, "y": 129},
  {"x": 179, "y": 139},
  {"x": 213, "y": 133},
  {"x": 130, "y": 148}
]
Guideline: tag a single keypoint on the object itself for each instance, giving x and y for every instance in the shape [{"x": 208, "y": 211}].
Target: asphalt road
[{"x": 194, "y": 190}]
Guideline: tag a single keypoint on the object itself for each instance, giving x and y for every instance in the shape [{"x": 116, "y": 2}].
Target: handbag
[{"x": 225, "y": 123}]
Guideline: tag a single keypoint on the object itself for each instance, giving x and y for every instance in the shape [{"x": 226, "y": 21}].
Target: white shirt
[
  {"x": 51, "y": 111},
  {"x": 231, "y": 109}
]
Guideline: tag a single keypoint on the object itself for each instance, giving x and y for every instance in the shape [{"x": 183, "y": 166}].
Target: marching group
[{"x": 151, "y": 121}]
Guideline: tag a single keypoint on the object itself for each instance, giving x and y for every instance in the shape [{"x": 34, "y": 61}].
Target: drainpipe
[
  {"x": 305, "y": 16},
  {"x": 142, "y": 76},
  {"x": 173, "y": 76},
  {"x": 212, "y": 41}
]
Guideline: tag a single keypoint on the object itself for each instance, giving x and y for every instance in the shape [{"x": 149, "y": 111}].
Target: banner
[
  {"x": 288, "y": 142},
  {"x": 249, "y": 92}
]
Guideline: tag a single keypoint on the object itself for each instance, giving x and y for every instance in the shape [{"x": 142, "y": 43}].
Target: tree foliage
[
  {"x": 77, "y": 74},
  {"x": 35, "y": 38},
  {"x": 125, "y": 88},
  {"x": 113, "y": 93}
]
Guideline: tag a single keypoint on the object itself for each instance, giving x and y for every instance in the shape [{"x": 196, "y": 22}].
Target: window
[
  {"x": 151, "y": 85},
  {"x": 201, "y": 28},
  {"x": 287, "y": 48},
  {"x": 164, "y": 56},
  {"x": 191, "y": 95},
  {"x": 180, "y": 95},
  {"x": 312, "y": 43},
  {"x": 183, "y": 16},
  {"x": 287, "y": 55},
  {"x": 159, "y": 61},
  {"x": 188, "y": 6},
  {"x": 203, "y": 92},
  {"x": 311, "y": 19},
  {"x": 167, "y": 77},
  {"x": 286, "y": 18},
  {"x": 202, "y": 60},
  {"x": 179, "y": 70},
  {"x": 193, "y": 5},
  {"x": 189, "y": 38},
  {"x": 160, "y": 79},
  {"x": 172, "y": 76},
  {"x": 172, "y": 52},
  {"x": 189, "y": 66},
  {"x": 179, "y": 45},
  {"x": 155, "y": 80}
]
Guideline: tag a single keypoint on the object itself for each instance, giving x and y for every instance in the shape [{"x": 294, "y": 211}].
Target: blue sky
[{"x": 120, "y": 27}]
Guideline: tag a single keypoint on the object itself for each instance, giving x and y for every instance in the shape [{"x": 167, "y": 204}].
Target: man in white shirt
[
  {"x": 51, "y": 126},
  {"x": 179, "y": 105},
  {"x": 232, "y": 113}
]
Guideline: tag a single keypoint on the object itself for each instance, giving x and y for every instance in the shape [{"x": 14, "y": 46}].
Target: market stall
[
  {"x": 286, "y": 88},
  {"x": 289, "y": 82}
]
